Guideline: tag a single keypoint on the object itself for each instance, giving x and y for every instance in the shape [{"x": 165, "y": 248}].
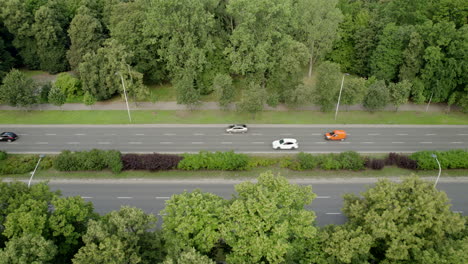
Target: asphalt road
[
  {"x": 193, "y": 138},
  {"x": 152, "y": 195}
]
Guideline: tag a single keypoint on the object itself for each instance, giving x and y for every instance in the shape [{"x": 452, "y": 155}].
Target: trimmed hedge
[
  {"x": 151, "y": 162},
  {"x": 375, "y": 164},
  {"x": 307, "y": 161},
  {"x": 93, "y": 160},
  {"x": 19, "y": 164},
  {"x": 451, "y": 159},
  {"x": 349, "y": 160},
  {"x": 204, "y": 160},
  {"x": 401, "y": 161}
]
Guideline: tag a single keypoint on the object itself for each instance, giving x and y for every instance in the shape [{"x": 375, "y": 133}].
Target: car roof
[
  {"x": 339, "y": 131},
  {"x": 289, "y": 140},
  {"x": 8, "y": 133}
]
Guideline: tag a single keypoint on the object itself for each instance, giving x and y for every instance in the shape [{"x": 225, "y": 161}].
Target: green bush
[
  {"x": 351, "y": 160},
  {"x": 93, "y": 160},
  {"x": 451, "y": 159},
  {"x": 214, "y": 161},
  {"x": 3, "y": 155},
  {"x": 18, "y": 164},
  {"x": 330, "y": 162},
  {"x": 307, "y": 161},
  {"x": 262, "y": 162}
]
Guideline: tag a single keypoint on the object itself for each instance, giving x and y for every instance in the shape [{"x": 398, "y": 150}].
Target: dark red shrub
[{"x": 151, "y": 162}]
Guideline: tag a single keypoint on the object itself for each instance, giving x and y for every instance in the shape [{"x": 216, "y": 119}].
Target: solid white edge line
[
  {"x": 322, "y": 197},
  {"x": 86, "y": 197},
  {"x": 333, "y": 213}
]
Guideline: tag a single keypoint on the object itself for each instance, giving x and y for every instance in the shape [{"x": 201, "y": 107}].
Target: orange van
[{"x": 336, "y": 135}]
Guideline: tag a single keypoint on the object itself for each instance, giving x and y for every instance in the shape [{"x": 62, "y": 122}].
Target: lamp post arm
[{"x": 34, "y": 171}]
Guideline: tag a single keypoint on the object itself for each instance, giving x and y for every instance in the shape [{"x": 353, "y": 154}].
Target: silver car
[{"x": 237, "y": 128}]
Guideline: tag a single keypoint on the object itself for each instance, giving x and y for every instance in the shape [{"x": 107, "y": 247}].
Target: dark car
[{"x": 8, "y": 136}]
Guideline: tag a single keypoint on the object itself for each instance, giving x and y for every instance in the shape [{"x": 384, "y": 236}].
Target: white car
[
  {"x": 285, "y": 143},
  {"x": 237, "y": 128}
]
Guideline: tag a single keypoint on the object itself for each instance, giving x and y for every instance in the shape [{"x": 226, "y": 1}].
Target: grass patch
[
  {"x": 162, "y": 93},
  {"x": 222, "y": 117},
  {"x": 388, "y": 171},
  {"x": 31, "y": 73}
]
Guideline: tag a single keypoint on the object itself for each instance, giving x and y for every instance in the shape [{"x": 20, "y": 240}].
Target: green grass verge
[
  {"x": 389, "y": 171},
  {"x": 222, "y": 117}
]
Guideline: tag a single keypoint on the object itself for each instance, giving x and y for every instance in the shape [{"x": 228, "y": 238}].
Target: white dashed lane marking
[
  {"x": 402, "y": 134},
  {"x": 373, "y": 134},
  {"x": 165, "y": 143},
  {"x": 51, "y": 134},
  {"x": 456, "y": 142},
  {"x": 462, "y": 134},
  {"x": 198, "y": 143},
  {"x": 226, "y": 142},
  {"x": 320, "y": 142},
  {"x": 80, "y": 134},
  {"x": 42, "y": 143},
  {"x": 169, "y": 134},
  {"x": 316, "y": 134},
  {"x": 322, "y": 197},
  {"x": 124, "y": 197},
  {"x": 134, "y": 143},
  {"x": 431, "y": 134},
  {"x": 139, "y": 134},
  {"x": 258, "y": 142},
  {"x": 398, "y": 142},
  {"x": 367, "y": 142},
  {"x": 73, "y": 143},
  {"x": 103, "y": 143},
  {"x": 23, "y": 134},
  {"x": 425, "y": 142},
  {"x": 198, "y": 134},
  {"x": 256, "y": 134},
  {"x": 286, "y": 134}
]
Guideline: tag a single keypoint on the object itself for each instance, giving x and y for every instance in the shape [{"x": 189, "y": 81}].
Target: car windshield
[
  {"x": 281, "y": 141},
  {"x": 331, "y": 133}
]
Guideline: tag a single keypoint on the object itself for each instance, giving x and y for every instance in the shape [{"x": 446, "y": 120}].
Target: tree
[
  {"x": 99, "y": 72},
  {"x": 190, "y": 256},
  {"x": 191, "y": 220},
  {"x": 88, "y": 99},
  {"x": 85, "y": 34},
  {"x": 28, "y": 248},
  {"x": 253, "y": 99},
  {"x": 18, "y": 89},
  {"x": 399, "y": 92},
  {"x": 185, "y": 34},
  {"x": 318, "y": 22},
  {"x": 18, "y": 19},
  {"x": 127, "y": 25},
  {"x": 68, "y": 85},
  {"x": 412, "y": 57},
  {"x": 387, "y": 56},
  {"x": 328, "y": 85},
  {"x": 377, "y": 97},
  {"x": 50, "y": 37},
  {"x": 267, "y": 222},
  {"x": 56, "y": 96},
  {"x": 222, "y": 84},
  {"x": 122, "y": 236},
  {"x": 406, "y": 221},
  {"x": 354, "y": 90},
  {"x": 186, "y": 91}
]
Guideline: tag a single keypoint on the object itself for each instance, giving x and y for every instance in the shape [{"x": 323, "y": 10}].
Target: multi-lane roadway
[
  {"x": 193, "y": 138},
  {"x": 151, "y": 195}
]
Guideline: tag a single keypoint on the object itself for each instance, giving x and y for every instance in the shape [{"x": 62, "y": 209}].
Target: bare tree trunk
[{"x": 311, "y": 60}]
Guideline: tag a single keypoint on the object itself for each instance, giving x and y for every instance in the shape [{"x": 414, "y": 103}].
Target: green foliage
[
  {"x": 255, "y": 161},
  {"x": 190, "y": 256},
  {"x": 267, "y": 221},
  {"x": 200, "y": 229},
  {"x": 51, "y": 39},
  {"x": 222, "y": 84},
  {"x": 214, "y": 161},
  {"x": 328, "y": 85},
  {"x": 3, "y": 155},
  {"x": 88, "y": 99},
  {"x": 69, "y": 85},
  {"x": 19, "y": 164},
  {"x": 253, "y": 99},
  {"x": 351, "y": 160},
  {"x": 124, "y": 236},
  {"x": 85, "y": 34},
  {"x": 307, "y": 161},
  {"x": 88, "y": 160},
  {"x": 451, "y": 159},
  {"x": 56, "y": 96},
  {"x": 28, "y": 248},
  {"x": 186, "y": 92},
  {"x": 330, "y": 162},
  {"x": 44, "y": 95},
  {"x": 399, "y": 92},
  {"x": 354, "y": 90},
  {"x": 403, "y": 221},
  {"x": 18, "y": 89},
  {"x": 377, "y": 97}
]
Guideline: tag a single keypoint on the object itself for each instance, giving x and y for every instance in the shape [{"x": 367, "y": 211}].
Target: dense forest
[
  {"x": 395, "y": 50},
  {"x": 264, "y": 222}
]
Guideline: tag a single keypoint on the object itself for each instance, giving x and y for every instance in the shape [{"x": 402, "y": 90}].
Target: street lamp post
[
  {"x": 34, "y": 171},
  {"x": 339, "y": 96},
  {"x": 125, "y": 94},
  {"x": 440, "y": 169}
]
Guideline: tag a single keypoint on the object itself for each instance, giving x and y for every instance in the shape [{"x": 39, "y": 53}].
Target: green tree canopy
[
  {"x": 328, "y": 85},
  {"x": 28, "y": 248},
  {"x": 18, "y": 89},
  {"x": 377, "y": 96},
  {"x": 267, "y": 222}
]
